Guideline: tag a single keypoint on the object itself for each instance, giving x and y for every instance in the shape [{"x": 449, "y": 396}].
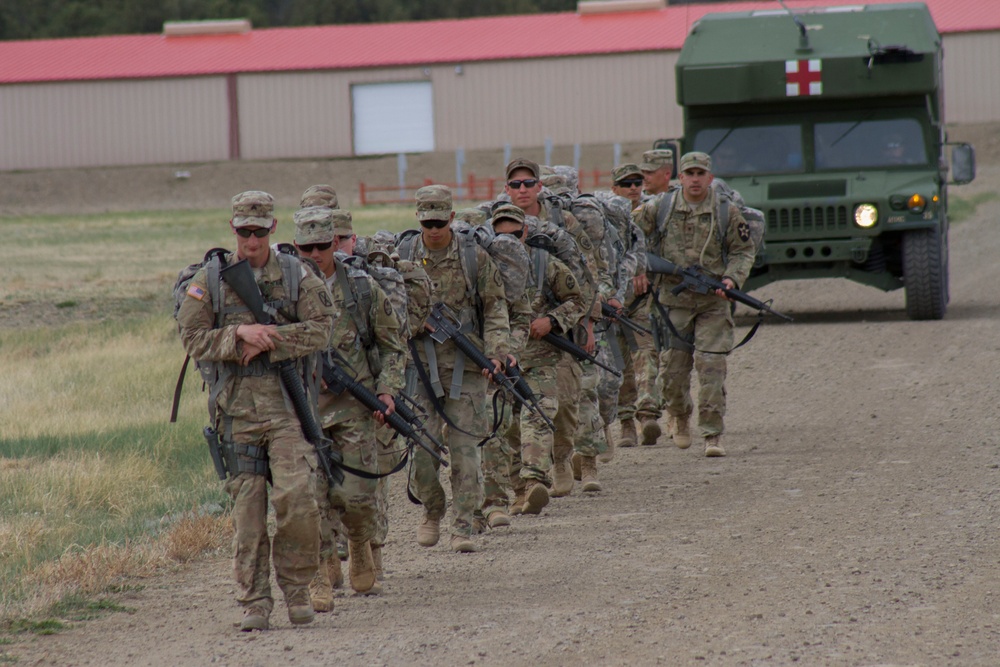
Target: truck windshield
[
  {"x": 752, "y": 150},
  {"x": 869, "y": 143}
]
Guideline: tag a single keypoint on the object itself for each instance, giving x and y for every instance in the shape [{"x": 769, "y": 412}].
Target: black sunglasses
[
  {"x": 259, "y": 232},
  {"x": 309, "y": 247},
  {"x": 526, "y": 182},
  {"x": 517, "y": 233},
  {"x": 434, "y": 224},
  {"x": 629, "y": 182}
]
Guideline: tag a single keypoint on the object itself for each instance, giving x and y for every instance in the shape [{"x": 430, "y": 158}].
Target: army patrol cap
[
  {"x": 313, "y": 224},
  {"x": 473, "y": 216},
  {"x": 657, "y": 159},
  {"x": 695, "y": 161},
  {"x": 319, "y": 195},
  {"x": 434, "y": 202},
  {"x": 508, "y": 212},
  {"x": 253, "y": 209},
  {"x": 623, "y": 170},
  {"x": 522, "y": 163}
]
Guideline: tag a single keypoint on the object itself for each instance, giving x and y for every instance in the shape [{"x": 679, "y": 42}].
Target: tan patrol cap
[
  {"x": 319, "y": 195},
  {"x": 695, "y": 160},
  {"x": 623, "y": 170},
  {"x": 434, "y": 202},
  {"x": 656, "y": 159},
  {"x": 253, "y": 209},
  {"x": 522, "y": 163},
  {"x": 508, "y": 212},
  {"x": 313, "y": 224}
]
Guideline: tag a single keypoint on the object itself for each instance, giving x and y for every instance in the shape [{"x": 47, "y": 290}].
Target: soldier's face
[
  {"x": 322, "y": 256},
  {"x": 629, "y": 187},
  {"x": 695, "y": 182},
  {"x": 252, "y": 247},
  {"x": 345, "y": 243},
  {"x": 655, "y": 182},
  {"x": 434, "y": 235},
  {"x": 524, "y": 196}
]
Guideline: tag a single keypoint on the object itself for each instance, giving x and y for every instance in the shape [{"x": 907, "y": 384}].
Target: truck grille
[{"x": 813, "y": 218}]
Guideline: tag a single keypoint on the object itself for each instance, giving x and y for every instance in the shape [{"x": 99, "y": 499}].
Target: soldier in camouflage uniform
[
  {"x": 367, "y": 337},
  {"x": 628, "y": 184},
  {"x": 690, "y": 235},
  {"x": 557, "y": 305},
  {"x": 254, "y": 414},
  {"x": 456, "y": 384},
  {"x": 524, "y": 188}
]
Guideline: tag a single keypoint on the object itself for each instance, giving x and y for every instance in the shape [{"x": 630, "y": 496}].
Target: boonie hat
[
  {"x": 313, "y": 224},
  {"x": 695, "y": 160},
  {"x": 253, "y": 209},
  {"x": 655, "y": 159},
  {"x": 433, "y": 202}
]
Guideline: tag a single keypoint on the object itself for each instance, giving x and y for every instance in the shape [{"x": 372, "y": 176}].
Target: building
[{"x": 331, "y": 91}]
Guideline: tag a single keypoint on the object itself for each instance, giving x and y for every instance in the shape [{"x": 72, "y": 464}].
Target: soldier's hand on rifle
[
  {"x": 250, "y": 352},
  {"x": 540, "y": 327},
  {"x": 390, "y": 408},
  {"x": 728, "y": 282},
  {"x": 591, "y": 345},
  {"x": 497, "y": 368},
  {"x": 511, "y": 361},
  {"x": 640, "y": 284},
  {"x": 259, "y": 335},
  {"x": 616, "y": 304}
]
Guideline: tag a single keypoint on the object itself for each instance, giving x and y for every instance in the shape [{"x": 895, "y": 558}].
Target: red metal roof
[{"x": 402, "y": 44}]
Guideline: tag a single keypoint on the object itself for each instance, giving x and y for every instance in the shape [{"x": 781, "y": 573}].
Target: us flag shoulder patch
[{"x": 195, "y": 292}]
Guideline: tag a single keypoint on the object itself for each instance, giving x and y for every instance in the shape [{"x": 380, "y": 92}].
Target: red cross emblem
[{"x": 803, "y": 77}]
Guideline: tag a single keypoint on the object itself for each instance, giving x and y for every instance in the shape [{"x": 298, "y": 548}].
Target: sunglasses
[
  {"x": 526, "y": 182},
  {"x": 259, "y": 232},
  {"x": 343, "y": 239},
  {"x": 434, "y": 224},
  {"x": 309, "y": 247},
  {"x": 629, "y": 183},
  {"x": 517, "y": 233}
]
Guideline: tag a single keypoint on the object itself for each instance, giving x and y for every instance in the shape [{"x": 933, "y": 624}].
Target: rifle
[
  {"x": 619, "y": 316},
  {"x": 446, "y": 325},
  {"x": 697, "y": 280},
  {"x": 239, "y": 277},
  {"x": 514, "y": 372},
  {"x": 577, "y": 352},
  {"x": 337, "y": 379}
]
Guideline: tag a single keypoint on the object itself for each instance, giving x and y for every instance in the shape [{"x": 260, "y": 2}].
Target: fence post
[
  {"x": 361, "y": 194},
  {"x": 548, "y": 151},
  {"x": 618, "y": 154},
  {"x": 401, "y": 170},
  {"x": 576, "y": 157},
  {"x": 459, "y": 163}
]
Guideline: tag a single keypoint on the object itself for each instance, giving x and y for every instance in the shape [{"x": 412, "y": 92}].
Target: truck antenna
[{"x": 803, "y": 37}]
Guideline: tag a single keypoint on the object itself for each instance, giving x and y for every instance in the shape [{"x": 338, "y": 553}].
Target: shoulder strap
[
  {"x": 722, "y": 214},
  {"x": 406, "y": 242},
  {"x": 663, "y": 210},
  {"x": 353, "y": 302},
  {"x": 291, "y": 274},
  {"x": 555, "y": 212}
]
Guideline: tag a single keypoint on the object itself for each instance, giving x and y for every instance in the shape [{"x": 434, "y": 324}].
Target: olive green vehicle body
[{"x": 870, "y": 131}]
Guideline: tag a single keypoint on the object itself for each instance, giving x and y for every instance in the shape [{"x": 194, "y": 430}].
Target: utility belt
[
  {"x": 259, "y": 367},
  {"x": 230, "y": 458}
]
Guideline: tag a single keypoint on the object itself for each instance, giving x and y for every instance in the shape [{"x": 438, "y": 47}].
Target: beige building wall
[
  {"x": 972, "y": 77},
  {"x": 103, "y": 123},
  {"x": 303, "y": 114}
]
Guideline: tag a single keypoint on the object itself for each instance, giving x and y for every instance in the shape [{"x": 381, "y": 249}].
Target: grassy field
[{"x": 96, "y": 487}]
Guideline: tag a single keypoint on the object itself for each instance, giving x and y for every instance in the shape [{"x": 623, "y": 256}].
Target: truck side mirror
[{"x": 963, "y": 164}]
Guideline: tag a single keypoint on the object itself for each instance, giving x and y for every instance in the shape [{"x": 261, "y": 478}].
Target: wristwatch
[{"x": 555, "y": 324}]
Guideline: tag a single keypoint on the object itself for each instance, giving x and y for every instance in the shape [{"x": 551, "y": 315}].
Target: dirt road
[{"x": 851, "y": 524}]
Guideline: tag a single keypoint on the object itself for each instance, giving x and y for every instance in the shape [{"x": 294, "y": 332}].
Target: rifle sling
[
  {"x": 177, "y": 389},
  {"x": 665, "y": 314}
]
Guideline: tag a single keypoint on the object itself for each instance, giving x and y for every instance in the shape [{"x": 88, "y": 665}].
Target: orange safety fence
[{"x": 473, "y": 189}]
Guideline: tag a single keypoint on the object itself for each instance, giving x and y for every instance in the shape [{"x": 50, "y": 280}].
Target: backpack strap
[
  {"x": 354, "y": 301},
  {"x": 722, "y": 216},
  {"x": 663, "y": 211},
  {"x": 291, "y": 274},
  {"x": 468, "y": 253}
]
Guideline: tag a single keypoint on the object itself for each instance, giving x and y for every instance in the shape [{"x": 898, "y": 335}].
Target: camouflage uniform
[
  {"x": 254, "y": 411},
  {"x": 465, "y": 406},
  {"x": 690, "y": 236},
  {"x": 344, "y": 419}
]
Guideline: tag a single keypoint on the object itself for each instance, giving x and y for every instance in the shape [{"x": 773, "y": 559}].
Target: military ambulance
[{"x": 831, "y": 121}]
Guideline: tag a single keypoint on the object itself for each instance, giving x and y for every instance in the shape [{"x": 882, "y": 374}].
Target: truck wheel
[{"x": 925, "y": 270}]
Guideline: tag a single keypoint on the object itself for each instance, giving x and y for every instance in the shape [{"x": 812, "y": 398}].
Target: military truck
[{"x": 831, "y": 121}]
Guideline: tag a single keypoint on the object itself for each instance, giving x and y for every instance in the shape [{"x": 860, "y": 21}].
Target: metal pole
[
  {"x": 459, "y": 163},
  {"x": 401, "y": 170},
  {"x": 576, "y": 157},
  {"x": 618, "y": 155},
  {"x": 548, "y": 151}
]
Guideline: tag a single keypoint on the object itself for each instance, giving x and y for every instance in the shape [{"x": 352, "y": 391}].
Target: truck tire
[{"x": 925, "y": 270}]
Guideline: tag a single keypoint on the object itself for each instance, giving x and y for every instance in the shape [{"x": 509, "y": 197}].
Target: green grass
[{"x": 960, "y": 208}]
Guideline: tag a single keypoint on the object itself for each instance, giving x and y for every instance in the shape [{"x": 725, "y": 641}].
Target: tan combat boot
[
  {"x": 497, "y": 518},
  {"x": 321, "y": 588},
  {"x": 336, "y": 571},
  {"x": 680, "y": 431},
  {"x": 562, "y": 479},
  {"x": 428, "y": 532},
  {"x": 628, "y": 438},
  {"x": 518, "y": 505},
  {"x": 377, "y": 561},
  {"x": 300, "y": 609},
  {"x": 650, "y": 431},
  {"x": 713, "y": 446},
  {"x": 536, "y": 498},
  {"x": 463, "y": 545},
  {"x": 255, "y": 618},
  {"x": 588, "y": 465},
  {"x": 574, "y": 462},
  {"x": 608, "y": 456},
  {"x": 362, "y": 566}
]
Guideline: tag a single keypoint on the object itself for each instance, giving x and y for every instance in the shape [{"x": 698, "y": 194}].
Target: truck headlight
[
  {"x": 916, "y": 204},
  {"x": 865, "y": 215}
]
